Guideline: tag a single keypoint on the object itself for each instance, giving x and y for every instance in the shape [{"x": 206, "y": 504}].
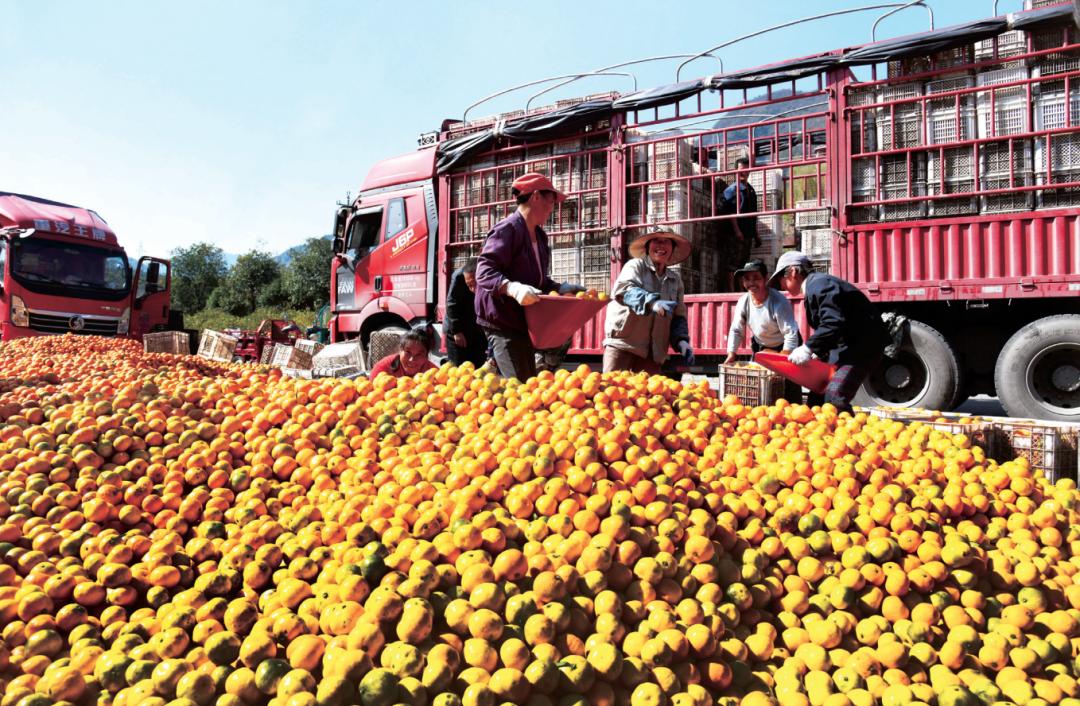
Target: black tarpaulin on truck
[
  {"x": 547, "y": 126},
  {"x": 662, "y": 95},
  {"x": 929, "y": 43},
  {"x": 955, "y": 36},
  {"x": 785, "y": 71}
]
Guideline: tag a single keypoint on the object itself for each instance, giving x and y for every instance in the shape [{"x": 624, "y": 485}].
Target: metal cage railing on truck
[{"x": 933, "y": 141}]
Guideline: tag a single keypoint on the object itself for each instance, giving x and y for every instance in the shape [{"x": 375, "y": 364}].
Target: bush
[{"x": 218, "y": 319}]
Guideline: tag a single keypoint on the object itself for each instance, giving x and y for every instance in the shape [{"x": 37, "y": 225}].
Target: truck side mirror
[{"x": 340, "y": 218}]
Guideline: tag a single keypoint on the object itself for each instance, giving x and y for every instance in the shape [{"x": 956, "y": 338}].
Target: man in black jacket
[
  {"x": 848, "y": 331},
  {"x": 464, "y": 338}
]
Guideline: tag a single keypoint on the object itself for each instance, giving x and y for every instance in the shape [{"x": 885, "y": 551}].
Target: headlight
[
  {"x": 19, "y": 315},
  {"x": 124, "y": 322}
]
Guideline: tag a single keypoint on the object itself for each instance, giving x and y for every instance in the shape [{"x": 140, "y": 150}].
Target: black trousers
[{"x": 474, "y": 350}]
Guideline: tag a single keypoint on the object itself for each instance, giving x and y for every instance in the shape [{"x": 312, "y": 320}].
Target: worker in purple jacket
[{"x": 512, "y": 271}]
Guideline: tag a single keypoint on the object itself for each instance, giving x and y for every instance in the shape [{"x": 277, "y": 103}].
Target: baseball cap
[
  {"x": 528, "y": 183},
  {"x": 787, "y": 259}
]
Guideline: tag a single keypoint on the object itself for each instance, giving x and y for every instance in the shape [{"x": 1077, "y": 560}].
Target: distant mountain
[{"x": 282, "y": 258}]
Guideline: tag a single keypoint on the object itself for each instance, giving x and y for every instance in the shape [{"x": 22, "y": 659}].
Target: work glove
[
  {"x": 801, "y": 355},
  {"x": 525, "y": 294},
  {"x": 570, "y": 288},
  {"x": 664, "y": 307},
  {"x": 687, "y": 352}
]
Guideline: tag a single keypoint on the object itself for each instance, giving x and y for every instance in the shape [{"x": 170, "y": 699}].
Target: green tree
[
  {"x": 253, "y": 272},
  {"x": 196, "y": 272},
  {"x": 275, "y": 295},
  {"x": 307, "y": 277}
]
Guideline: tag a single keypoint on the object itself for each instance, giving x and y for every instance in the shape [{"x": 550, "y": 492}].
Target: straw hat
[{"x": 681, "y": 251}]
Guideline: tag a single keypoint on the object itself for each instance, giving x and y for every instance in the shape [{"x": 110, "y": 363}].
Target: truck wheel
[
  {"x": 1038, "y": 371},
  {"x": 925, "y": 373}
]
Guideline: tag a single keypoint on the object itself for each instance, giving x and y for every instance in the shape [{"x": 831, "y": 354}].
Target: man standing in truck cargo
[
  {"x": 741, "y": 198},
  {"x": 512, "y": 272},
  {"x": 848, "y": 331}
]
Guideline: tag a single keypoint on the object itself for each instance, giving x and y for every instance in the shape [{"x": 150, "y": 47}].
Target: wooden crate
[
  {"x": 167, "y": 342},
  {"x": 218, "y": 346},
  {"x": 338, "y": 355},
  {"x": 753, "y": 385},
  {"x": 286, "y": 356},
  {"x": 308, "y": 346}
]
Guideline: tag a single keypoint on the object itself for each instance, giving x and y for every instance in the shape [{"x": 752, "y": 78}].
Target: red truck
[
  {"x": 939, "y": 172},
  {"x": 63, "y": 271}
]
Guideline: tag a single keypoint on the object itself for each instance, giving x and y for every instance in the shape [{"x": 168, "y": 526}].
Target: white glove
[
  {"x": 801, "y": 355},
  {"x": 525, "y": 294}
]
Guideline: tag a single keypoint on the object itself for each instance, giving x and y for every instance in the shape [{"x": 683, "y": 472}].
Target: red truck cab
[
  {"x": 384, "y": 249},
  {"x": 62, "y": 270}
]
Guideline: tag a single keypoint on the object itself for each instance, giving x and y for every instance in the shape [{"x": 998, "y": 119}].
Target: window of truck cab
[
  {"x": 395, "y": 219},
  {"x": 147, "y": 285},
  {"x": 60, "y": 268},
  {"x": 364, "y": 229}
]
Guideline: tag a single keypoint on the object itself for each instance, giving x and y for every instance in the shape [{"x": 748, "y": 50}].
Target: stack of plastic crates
[
  {"x": 863, "y": 122},
  {"x": 1003, "y": 112},
  {"x": 1057, "y": 156},
  {"x": 1009, "y": 44},
  {"x": 863, "y": 188},
  {"x": 900, "y": 125},
  {"x": 951, "y": 170},
  {"x": 903, "y": 176}
]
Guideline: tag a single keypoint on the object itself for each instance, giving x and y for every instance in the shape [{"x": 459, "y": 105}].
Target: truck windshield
[{"x": 68, "y": 269}]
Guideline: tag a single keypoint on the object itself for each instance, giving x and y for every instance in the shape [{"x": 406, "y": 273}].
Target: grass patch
[{"x": 218, "y": 319}]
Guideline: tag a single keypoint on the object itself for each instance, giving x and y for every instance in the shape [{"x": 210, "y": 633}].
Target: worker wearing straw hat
[{"x": 647, "y": 312}]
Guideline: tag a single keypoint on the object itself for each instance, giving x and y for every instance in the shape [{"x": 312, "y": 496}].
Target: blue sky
[{"x": 242, "y": 123}]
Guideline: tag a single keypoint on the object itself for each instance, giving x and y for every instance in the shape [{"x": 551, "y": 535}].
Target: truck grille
[{"x": 61, "y": 323}]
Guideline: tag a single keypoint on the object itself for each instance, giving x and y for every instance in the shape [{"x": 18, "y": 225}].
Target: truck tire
[
  {"x": 1038, "y": 370},
  {"x": 925, "y": 373}
]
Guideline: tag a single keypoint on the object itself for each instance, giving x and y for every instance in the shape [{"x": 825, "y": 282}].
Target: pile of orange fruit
[{"x": 174, "y": 531}]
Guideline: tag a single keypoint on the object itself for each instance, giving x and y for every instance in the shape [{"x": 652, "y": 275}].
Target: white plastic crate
[
  {"x": 1002, "y": 111},
  {"x": 599, "y": 282},
  {"x": 1068, "y": 197},
  {"x": 863, "y": 214},
  {"x": 959, "y": 178},
  {"x": 952, "y": 118},
  {"x": 346, "y": 353},
  {"x": 898, "y": 170},
  {"x": 1050, "y": 106},
  {"x": 595, "y": 259},
  {"x": 863, "y": 122},
  {"x": 817, "y": 242},
  {"x": 903, "y": 211},
  {"x": 863, "y": 174},
  {"x": 1007, "y": 202},
  {"x": 811, "y": 214},
  {"x": 1011, "y": 43},
  {"x": 999, "y": 159}
]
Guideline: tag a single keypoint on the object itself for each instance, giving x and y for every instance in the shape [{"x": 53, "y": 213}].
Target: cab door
[
  {"x": 150, "y": 296},
  {"x": 405, "y": 243},
  {"x": 358, "y": 276}
]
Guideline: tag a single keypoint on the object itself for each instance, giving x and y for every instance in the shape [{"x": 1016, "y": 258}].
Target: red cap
[{"x": 528, "y": 183}]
